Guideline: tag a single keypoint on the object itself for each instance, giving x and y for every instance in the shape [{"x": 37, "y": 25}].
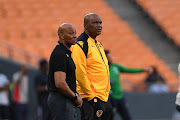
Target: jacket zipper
[{"x": 97, "y": 45}]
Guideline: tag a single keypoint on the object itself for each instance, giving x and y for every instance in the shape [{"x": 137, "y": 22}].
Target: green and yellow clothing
[
  {"x": 115, "y": 69},
  {"x": 92, "y": 70}
]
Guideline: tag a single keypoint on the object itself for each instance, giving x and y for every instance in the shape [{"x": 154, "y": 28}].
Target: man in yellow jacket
[{"x": 92, "y": 71}]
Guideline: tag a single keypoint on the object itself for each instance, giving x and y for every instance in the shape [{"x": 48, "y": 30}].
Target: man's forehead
[
  {"x": 70, "y": 28},
  {"x": 94, "y": 18}
]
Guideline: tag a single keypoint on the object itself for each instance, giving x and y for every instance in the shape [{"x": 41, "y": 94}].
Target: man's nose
[
  {"x": 74, "y": 36},
  {"x": 100, "y": 24}
]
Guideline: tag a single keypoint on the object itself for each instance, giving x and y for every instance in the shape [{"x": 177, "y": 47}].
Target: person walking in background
[
  {"x": 4, "y": 98},
  {"x": 177, "y": 102},
  {"x": 92, "y": 71},
  {"x": 63, "y": 99},
  {"x": 41, "y": 89},
  {"x": 117, "y": 97},
  {"x": 20, "y": 82}
]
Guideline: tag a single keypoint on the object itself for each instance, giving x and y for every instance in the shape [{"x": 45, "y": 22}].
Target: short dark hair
[
  {"x": 42, "y": 62},
  {"x": 86, "y": 18},
  {"x": 106, "y": 51}
]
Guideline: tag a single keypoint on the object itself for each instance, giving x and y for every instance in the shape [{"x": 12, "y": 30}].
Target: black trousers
[
  {"x": 61, "y": 108},
  {"x": 122, "y": 108},
  {"x": 46, "y": 114},
  {"x": 99, "y": 111},
  {"x": 4, "y": 112}
]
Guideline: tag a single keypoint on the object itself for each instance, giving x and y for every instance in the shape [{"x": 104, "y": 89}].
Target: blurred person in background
[
  {"x": 116, "y": 93},
  {"x": 178, "y": 94},
  {"x": 41, "y": 89},
  {"x": 158, "y": 87},
  {"x": 20, "y": 82},
  {"x": 155, "y": 82},
  {"x": 4, "y": 98}
]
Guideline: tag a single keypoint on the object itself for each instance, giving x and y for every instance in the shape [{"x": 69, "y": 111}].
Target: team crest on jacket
[
  {"x": 80, "y": 43},
  {"x": 99, "y": 113}
]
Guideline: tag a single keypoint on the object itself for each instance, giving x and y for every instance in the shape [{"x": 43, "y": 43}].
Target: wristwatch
[{"x": 76, "y": 96}]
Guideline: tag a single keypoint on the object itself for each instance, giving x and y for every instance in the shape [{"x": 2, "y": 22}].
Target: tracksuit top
[
  {"x": 92, "y": 70},
  {"x": 115, "y": 69}
]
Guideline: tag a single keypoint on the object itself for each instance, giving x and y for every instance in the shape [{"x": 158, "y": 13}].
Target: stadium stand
[
  {"x": 32, "y": 26},
  {"x": 166, "y": 14}
]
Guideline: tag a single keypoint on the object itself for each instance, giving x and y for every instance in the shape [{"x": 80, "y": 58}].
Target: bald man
[
  {"x": 63, "y": 99},
  {"x": 92, "y": 71}
]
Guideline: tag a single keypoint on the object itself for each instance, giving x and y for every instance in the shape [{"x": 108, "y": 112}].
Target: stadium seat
[{"x": 166, "y": 14}]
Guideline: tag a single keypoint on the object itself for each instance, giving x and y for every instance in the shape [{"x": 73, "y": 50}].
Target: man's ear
[
  {"x": 85, "y": 25},
  {"x": 61, "y": 36}
]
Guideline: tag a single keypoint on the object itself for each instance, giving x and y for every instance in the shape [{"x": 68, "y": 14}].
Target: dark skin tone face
[
  {"x": 67, "y": 35},
  {"x": 92, "y": 25}
]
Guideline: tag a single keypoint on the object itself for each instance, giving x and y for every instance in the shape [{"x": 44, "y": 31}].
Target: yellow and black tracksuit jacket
[{"x": 92, "y": 70}]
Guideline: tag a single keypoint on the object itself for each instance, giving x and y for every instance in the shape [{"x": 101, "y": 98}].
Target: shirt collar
[
  {"x": 66, "y": 50},
  {"x": 90, "y": 37}
]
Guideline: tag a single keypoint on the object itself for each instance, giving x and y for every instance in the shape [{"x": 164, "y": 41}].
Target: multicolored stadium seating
[{"x": 31, "y": 26}]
